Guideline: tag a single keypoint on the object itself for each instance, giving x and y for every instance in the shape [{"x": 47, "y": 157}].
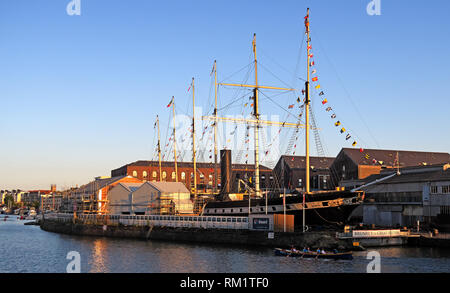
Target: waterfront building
[
  {"x": 149, "y": 171},
  {"x": 34, "y": 196},
  {"x": 415, "y": 194},
  {"x": 355, "y": 164},
  {"x": 51, "y": 202},
  {"x": 150, "y": 198},
  {"x": 291, "y": 172},
  {"x": 93, "y": 197}
]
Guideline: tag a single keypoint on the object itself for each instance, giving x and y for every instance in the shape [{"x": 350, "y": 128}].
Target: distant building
[
  {"x": 355, "y": 164},
  {"x": 149, "y": 171},
  {"x": 420, "y": 193},
  {"x": 34, "y": 196},
  {"x": 150, "y": 198},
  {"x": 290, "y": 171},
  {"x": 51, "y": 202}
]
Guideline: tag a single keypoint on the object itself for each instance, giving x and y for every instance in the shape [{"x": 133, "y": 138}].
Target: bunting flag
[
  {"x": 374, "y": 161},
  {"x": 245, "y": 105},
  {"x": 170, "y": 104},
  {"x": 367, "y": 156},
  {"x": 321, "y": 93},
  {"x": 298, "y": 100},
  {"x": 189, "y": 87},
  {"x": 291, "y": 106},
  {"x": 361, "y": 150}
]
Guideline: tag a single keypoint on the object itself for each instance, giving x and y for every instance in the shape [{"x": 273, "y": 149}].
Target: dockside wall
[{"x": 324, "y": 240}]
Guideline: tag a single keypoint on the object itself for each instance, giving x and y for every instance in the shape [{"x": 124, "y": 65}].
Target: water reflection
[
  {"x": 99, "y": 256},
  {"x": 29, "y": 249}
]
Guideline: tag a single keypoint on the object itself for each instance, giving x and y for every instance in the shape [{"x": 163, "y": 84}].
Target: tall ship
[{"x": 327, "y": 207}]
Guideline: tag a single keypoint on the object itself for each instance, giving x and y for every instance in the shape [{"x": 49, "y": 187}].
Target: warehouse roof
[
  {"x": 389, "y": 157},
  {"x": 299, "y": 162}
]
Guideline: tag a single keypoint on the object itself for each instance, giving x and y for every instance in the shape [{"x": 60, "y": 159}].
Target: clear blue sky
[{"x": 79, "y": 94}]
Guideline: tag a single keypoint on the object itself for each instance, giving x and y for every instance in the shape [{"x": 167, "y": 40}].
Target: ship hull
[{"x": 332, "y": 208}]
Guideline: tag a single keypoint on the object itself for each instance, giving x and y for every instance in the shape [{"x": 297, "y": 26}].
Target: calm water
[{"x": 28, "y": 249}]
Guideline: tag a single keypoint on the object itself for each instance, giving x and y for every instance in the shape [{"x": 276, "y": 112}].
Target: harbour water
[{"x": 28, "y": 249}]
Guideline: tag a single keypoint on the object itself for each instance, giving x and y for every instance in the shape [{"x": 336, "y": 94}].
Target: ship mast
[
  {"x": 174, "y": 140},
  {"x": 307, "y": 105},
  {"x": 256, "y": 114},
  {"x": 256, "y": 122},
  {"x": 307, "y": 101},
  {"x": 159, "y": 149},
  {"x": 193, "y": 140},
  {"x": 215, "y": 128}
]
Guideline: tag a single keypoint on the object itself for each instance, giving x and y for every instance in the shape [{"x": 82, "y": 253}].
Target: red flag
[
  {"x": 291, "y": 106},
  {"x": 170, "y": 104},
  {"x": 315, "y": 78}
]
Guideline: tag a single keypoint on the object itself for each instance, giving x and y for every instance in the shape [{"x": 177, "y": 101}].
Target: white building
[{"x": 167, "y": 198}]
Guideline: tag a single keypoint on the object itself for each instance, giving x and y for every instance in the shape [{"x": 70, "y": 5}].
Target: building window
[
  {"x": 183, "y": 175},
  {"x": 446, "y": 189},
  {"x": 164, "y": 175},
  {"x": 300, "y": 182},
  {"x": 434, "y": 189},
  {"x": 154, "y": 174},
  {"x": 134, "y": 173},
  {"x": 173, "y": 176},
  {"x": 144, "y": 174}
]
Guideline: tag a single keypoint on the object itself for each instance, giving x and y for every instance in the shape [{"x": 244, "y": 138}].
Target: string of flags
[
  {"x": 315, "y": 79},
  {"x": 317, "y": 86}
]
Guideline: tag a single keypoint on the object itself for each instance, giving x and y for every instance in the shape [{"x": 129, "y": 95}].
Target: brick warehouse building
[
  {"x": 149, "y": 171},
  {"x": 352, "y": 164},
  {"x": 291, "y": 172}
]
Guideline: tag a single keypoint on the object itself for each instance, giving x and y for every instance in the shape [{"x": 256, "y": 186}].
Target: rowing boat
[{"x": 290, "y": 253}]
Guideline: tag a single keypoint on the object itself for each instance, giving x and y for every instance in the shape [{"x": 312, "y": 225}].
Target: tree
[{"x": 9, "y": 201}]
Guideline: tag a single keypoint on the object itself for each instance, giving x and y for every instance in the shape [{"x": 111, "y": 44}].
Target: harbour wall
[{"x": 324, "y": 240}]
